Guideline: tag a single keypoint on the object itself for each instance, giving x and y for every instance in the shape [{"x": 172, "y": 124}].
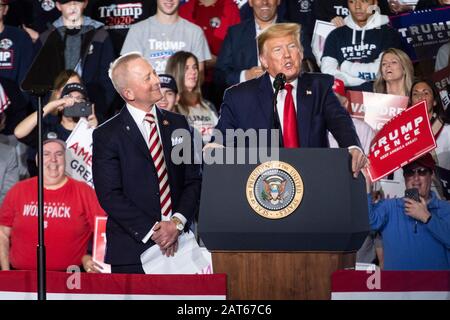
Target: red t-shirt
[
  {"x": 69, "y": 220},
  {"x": 214, "y": 20}
]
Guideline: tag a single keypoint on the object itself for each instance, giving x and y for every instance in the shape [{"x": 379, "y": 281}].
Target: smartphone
[
  {"x": 412, "y": 193},
  {"x": 79, "y": 109}
]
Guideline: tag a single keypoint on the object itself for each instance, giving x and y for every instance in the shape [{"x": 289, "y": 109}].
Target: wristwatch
[{"x": 178, "y": 224}]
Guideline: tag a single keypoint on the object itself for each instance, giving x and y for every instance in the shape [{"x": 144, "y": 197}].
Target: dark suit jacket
[
  {"x": 249, "y": 106},
  {"x": 127, "y": 186}
]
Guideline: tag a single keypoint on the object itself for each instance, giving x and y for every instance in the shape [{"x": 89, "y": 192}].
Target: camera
[{"x": 79, "y": 109}]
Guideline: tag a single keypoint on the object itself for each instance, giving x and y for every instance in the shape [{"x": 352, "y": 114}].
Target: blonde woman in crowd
[{"x": 395, "y": 74}]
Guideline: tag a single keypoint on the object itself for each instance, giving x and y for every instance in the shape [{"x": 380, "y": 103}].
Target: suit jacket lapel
[
  {"x": 132, "y": 131},
  {"x": 166, "y": 134},
  {"x": 305, "y": 99}
]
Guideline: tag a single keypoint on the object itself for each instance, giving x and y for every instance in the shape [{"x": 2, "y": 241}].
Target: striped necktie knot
[{"x": 150, "y": 118}]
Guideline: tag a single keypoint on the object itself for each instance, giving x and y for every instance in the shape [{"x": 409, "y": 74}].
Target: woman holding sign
[
  {"x": 425, "y": 90},
  {"x": 68, "y": 90}
]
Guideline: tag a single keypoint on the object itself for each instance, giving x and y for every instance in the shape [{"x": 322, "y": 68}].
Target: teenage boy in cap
[
  {"x": 416, "y": 234},
  {"x": 169, "y": 92},
  {"x": 83, "y": 45},
  {"x": 70, "y": 209}
]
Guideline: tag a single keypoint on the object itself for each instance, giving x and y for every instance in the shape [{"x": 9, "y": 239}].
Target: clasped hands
[{"x": 165, "y": 235}]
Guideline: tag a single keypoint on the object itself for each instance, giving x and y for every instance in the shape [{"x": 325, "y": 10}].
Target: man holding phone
[{"x": 416, "y": 228}]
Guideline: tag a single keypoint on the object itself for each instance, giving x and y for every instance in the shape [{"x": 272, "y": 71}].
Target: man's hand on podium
[{"x": 359, "y": 160}]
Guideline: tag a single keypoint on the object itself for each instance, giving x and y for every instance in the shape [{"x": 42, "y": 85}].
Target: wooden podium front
[{"x": 280, "y": 275}]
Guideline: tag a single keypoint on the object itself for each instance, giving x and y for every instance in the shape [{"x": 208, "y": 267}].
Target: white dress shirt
[{"x": 138, "y": 116}]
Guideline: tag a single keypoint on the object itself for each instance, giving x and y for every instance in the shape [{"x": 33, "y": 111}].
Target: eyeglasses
[{"x": 408, "y": 173}]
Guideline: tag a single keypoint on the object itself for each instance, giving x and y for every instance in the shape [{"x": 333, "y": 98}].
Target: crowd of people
[{"x": 148, "y": 68}]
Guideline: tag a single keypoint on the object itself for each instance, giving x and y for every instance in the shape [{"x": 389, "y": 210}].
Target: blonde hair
[
  {"x": 379, "y": 85},
  {"x": 278, "y": 30},
  {"x": 118, "y": 66}
]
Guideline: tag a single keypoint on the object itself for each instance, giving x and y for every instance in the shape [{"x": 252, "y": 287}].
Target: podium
[{"x": 286, "y": 257}]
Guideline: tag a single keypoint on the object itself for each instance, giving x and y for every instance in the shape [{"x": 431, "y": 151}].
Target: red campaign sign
[
  {"x": 441, "y": 80},
  {"x": 375, "y": 108},
  {"x": 404, "y": 138},
  {"x": 98, "y": 252}
]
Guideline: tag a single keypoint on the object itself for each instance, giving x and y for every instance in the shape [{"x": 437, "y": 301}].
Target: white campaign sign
[
  {"x": 79, "y": 153},
  {"x": 321, "y": 31}
]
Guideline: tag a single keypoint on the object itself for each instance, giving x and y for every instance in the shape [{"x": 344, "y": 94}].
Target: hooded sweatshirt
[
  {"x": 73, "y": 42},
  {"x": 90, "y": 52},
  {"x": 352, "y": 53}
]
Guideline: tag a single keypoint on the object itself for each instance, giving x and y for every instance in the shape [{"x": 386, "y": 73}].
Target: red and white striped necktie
[{"x": 156, "y": 151}]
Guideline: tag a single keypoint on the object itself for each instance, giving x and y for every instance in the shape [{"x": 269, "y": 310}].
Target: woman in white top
[{"x": 200, "y": 113}]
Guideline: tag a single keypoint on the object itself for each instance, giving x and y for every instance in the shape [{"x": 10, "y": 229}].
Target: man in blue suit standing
[
  {"x": 238, "y": 57},
  {"x": 303, "y": 120},
  {"x": 148, "y": 199}
]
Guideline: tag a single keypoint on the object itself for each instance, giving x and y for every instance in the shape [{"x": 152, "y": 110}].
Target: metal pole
[{"x": 41, "y": 245}]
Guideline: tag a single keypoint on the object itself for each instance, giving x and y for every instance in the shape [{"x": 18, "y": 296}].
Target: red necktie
[
  {"x": 156, "y": 151},
  {"x": 290, "y": 133}
]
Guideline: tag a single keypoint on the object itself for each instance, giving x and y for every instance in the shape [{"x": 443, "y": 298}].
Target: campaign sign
[
  {"x": 441, "y": 80},
  {"x": 375, "y": 108},
  {"x": 98, "y": 250},
  {"x": 79, "y": 153},
  {"x": 321, "y": 31},
  {"x": 423, "y": 32},
  {"x": 403, "y": 139}
]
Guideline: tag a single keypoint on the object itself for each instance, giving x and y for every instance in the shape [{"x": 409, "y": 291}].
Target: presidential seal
[{"x": 274, "y": 189}]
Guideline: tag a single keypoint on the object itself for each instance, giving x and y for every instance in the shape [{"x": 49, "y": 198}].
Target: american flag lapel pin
[
  {"x": 308, "y": 92},
  {"x": 165, "y": 122}
]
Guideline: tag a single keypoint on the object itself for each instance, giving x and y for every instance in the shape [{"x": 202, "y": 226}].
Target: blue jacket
[
  {"x": 248, "y": 105},
  {"x": 16, "y": 54},
  {"x": 410, "y": 244}
]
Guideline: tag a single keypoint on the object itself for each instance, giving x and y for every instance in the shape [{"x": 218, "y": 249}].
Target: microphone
[{"x": 278, "y": 84}]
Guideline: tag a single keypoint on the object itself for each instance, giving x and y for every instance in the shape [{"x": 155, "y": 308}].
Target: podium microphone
[{"x": 278, "y": 84}]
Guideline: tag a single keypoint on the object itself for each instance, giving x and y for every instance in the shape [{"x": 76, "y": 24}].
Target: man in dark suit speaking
[
  {"x": 303, "y": 120},
  {"x": 149, "y": 200}
]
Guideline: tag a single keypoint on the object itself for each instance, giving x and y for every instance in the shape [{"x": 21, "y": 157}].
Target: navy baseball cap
[
  {"x": 71, "y": 87},
  {"x": 167, "y": 81}
]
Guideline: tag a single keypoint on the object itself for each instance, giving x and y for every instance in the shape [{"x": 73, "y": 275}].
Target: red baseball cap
[{"x": 425, "y": 161}]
